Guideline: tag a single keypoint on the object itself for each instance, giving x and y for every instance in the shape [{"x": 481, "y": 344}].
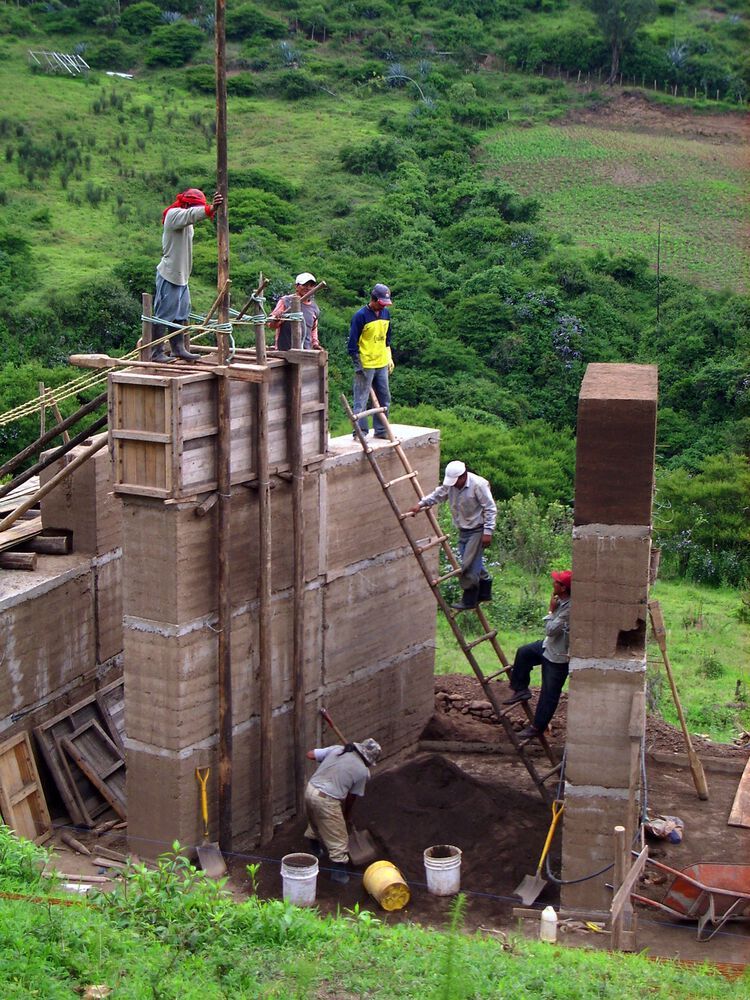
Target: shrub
[
  {"x": 110, "y": 54},
  {"x": 294, "y": 84},
  {"x": 141, "y": 18},
  {"x": 532, "y": 537},
  {"x": 242, "y": 85},
  {"x": 381, "y": 156},
  {"x": 201, "y": 79},
  {"x": 249, "y": 21},
  {"x": 173, "y": 44}
]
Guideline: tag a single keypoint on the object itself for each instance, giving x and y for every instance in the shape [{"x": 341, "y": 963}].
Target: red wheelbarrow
[{"x": 706, "y": 892}]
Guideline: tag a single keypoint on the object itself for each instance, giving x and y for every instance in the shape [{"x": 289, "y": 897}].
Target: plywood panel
[{"x": 22, "y": 802}]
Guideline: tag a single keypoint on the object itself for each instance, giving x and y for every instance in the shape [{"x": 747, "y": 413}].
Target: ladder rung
[
  {"x": 369, "y": 413},
  {"x": 399, "y": 479},
  {"x": 548, "y": 774},
  {"x": 448, "y": 576},
  {"x": 498, "y": 673},
  {"x": 383, "y": 444},
  {"x": 482, "y": 638},
  {"x": 435, "y": 541}
]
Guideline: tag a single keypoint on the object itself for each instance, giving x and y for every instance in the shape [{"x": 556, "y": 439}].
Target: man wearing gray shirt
[
  {"x": 329, "y": 797},
  {"x": 474, "y": 513},
  {"x": 551, "y": 653},
  {"x": 172, "y": 299}
]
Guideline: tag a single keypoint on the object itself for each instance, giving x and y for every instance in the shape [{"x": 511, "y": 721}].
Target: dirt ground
[
  {"x": 633, "y": 112},
  {"x": 486, "y": 804}
]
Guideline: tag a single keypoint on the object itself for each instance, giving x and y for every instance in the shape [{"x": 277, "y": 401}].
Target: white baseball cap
[
  {"x": 453, "y": 472},
  {"x": 304, "y": 278}
]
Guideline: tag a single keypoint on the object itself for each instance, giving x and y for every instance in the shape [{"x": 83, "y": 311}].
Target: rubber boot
[
  {"x": 179, "y": 349},
  {"x": 468, "y": 601},
  {"x": 485, "y": 589},
  {"x": 159, "y": 354},
  {"x": 339, "y": 873},
  {"x": 314, "y": 846}
]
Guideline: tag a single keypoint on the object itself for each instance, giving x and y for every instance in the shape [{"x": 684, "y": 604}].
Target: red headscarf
[{"x": 189, "y": 198}]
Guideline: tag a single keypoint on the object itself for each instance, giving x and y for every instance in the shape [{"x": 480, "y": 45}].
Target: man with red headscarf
[
  {"x": 172, "y": 300},
  {"x": 551, "y": 653}
]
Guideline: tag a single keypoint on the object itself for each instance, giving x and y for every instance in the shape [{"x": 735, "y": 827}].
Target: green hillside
[{"x": 514, "y": 215}]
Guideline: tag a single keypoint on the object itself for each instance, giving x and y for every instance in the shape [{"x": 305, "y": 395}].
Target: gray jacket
[
  {"x": 177, "y": 243},
  {"x": 557, "y": 633},
  {"x": 471, "y": 507}
]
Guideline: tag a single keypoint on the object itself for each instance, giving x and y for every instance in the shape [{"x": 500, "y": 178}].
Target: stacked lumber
[{"x": 83, "y": 749}]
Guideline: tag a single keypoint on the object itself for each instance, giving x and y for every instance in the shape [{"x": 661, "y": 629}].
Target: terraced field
[{"x": 608, "y": 175}]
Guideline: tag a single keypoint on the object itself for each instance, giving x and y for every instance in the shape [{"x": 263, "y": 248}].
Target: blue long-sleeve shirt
[{"x": 370, "y": 337}]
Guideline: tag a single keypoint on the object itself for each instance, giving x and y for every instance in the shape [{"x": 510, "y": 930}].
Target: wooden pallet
[
  {"x": 98, "y": 757},
  {"x": 22, "y": 802}
]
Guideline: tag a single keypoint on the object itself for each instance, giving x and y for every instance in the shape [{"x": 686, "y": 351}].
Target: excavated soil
[{"x": 632, "y": 112}]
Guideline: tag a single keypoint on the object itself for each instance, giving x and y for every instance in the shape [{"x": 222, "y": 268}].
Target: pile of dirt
[{"x": 456, "y": 720}]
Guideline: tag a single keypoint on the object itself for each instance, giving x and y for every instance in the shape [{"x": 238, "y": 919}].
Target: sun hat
[
  {"x": 453, "y": 472},
  {"x": 370, "y": 750}
]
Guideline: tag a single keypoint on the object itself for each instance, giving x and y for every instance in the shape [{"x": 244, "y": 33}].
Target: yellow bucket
[{"x": 386, "y": 885}]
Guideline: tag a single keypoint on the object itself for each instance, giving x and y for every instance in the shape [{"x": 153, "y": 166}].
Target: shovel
[
  {"x": 209, "y": 854},
  {"x": 532, "y": 885},
  {"x": 362, "y": 849}
]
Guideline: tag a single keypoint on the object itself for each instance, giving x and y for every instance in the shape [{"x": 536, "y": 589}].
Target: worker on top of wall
[
  {"x": 341, "y": 776},
  {"x": 474, "y": 513},
  {"x": 369, "y": 348},
  {"x": 172, "y": 299},
  {"x": 310, "y": 311},
  {"x": 551, "y": 653}
]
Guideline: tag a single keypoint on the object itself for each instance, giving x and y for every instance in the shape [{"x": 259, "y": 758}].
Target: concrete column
[{"x": 611, "y": 553}]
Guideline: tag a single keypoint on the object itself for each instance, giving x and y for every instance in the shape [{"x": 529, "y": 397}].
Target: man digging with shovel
[{"x": 342, "y": 774}]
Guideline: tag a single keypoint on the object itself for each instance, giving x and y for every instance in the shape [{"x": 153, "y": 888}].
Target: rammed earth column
[{"x": 611, "y": 553}]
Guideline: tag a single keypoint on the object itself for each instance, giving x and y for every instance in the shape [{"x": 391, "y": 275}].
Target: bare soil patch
[{"x": 633, "y": 112}]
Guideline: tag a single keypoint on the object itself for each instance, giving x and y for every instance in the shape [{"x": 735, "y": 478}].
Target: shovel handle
[
  {"x": 557, "y": 811},
  {"x": 327, "y": 716},
  {"x": 202, "y": 776}
]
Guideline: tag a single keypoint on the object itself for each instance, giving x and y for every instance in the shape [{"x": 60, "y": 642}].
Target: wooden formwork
[{"x": 164, "y": 428}]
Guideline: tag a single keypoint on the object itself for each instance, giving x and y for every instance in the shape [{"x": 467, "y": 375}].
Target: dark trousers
[{"x": 554, "y": 676}]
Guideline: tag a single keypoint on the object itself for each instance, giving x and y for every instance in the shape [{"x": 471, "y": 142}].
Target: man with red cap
[
  {"x": 172, "y": 299},
  {"x": 551, "y": 653}
]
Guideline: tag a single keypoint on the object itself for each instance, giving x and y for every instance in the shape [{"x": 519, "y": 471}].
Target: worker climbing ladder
[{"x": 419, "y": 547}]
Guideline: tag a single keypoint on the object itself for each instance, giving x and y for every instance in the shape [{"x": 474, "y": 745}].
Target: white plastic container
[
  {"x": 299, "y": 877},
  {"x": 548, "y": 925},
  {"x": 442, "y": 865}
]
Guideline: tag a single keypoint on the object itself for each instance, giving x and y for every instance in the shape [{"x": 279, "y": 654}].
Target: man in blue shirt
[{"x": 370, "y": 350}]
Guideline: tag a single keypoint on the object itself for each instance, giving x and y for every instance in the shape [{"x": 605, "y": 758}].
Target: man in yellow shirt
[{"x": 370, "y": 350}]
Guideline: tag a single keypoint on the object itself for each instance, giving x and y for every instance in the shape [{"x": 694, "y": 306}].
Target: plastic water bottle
[{"x": 548, "y": 925}]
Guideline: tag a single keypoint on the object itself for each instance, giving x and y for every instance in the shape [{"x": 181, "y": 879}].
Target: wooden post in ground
[
  {"x": 294, "y": 444},
  {"x": 265, "y": 754},
  {"x": 626, "y": 875},
  {"x": 223, "y": 458},
  {"x": 58, "y": 416},
  {"x": 147, "y": 328}
]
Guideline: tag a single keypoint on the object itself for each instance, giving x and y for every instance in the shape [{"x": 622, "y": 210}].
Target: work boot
[
  {"x": 314, "y": 846},
  {"x": 485, "y": 589},
  {"x": 469, "y": 601},
  {"x": 159, "y": 354},
  {"x": 180, "y": 351},
  {"x": 529, "y": 733},
  {"x": 523, "y": 695},
  {"x": 339, "y": 873}
]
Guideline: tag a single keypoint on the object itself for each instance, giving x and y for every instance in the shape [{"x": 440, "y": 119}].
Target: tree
[{"x": 618, "y": 21}]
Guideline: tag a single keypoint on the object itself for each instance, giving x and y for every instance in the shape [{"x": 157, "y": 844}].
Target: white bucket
[
  {"x": 442, "y": 865},
  {"x": 299, "y": 877}
]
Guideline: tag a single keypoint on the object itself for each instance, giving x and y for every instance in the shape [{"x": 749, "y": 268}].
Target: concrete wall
[
  {"x": 61, "y": 626},
  {"x": 369, "y": 637},
  {"x": 611, "y": 553}
]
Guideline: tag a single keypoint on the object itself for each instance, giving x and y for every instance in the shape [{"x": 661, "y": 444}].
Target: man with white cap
[
  {"x": 369, "y": 348},
  {"x": 474, "y": 513},
  {"x": 329, "y": 797},
  {"x": 310, "y": 311}
]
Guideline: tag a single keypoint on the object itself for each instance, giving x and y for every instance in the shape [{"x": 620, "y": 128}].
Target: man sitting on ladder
[{"x": 474, "y": 514}]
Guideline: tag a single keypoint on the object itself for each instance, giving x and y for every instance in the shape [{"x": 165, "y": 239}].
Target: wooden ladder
[{"x": 419, "y": 547}]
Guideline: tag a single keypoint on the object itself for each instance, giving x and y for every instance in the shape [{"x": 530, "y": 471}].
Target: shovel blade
[
  {"x": 530, "y": 889},
  {"x": 362, "y": 849},
  {"x": 211, "y": 860}
]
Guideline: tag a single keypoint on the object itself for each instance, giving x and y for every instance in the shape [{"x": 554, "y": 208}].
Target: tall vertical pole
[
  {"x": 265, "y": 754},
  {"x": 294, "y": 447},
  {"x": 658, "y": 274},
  {"x": 223, "y": 457}
]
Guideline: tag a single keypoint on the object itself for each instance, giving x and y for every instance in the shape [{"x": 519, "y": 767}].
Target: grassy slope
[
  {"x": 702, "y": 631},
  {"x": 609, "y": 188}
]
